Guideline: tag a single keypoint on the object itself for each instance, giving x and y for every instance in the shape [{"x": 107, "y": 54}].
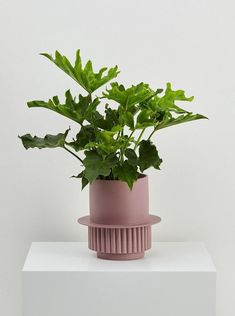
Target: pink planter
[{"x": 119, "y": 225}]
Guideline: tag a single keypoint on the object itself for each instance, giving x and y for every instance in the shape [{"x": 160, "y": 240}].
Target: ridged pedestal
[{"x": 119, "y": 243}]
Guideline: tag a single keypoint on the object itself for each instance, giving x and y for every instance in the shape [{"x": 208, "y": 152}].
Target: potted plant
[{"x": 115, "y": 136}]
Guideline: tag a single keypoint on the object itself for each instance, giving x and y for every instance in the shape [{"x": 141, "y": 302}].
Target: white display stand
[{"x": 66, "y": 279}]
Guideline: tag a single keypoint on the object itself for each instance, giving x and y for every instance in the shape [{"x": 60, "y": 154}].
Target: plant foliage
[{"x": 114, "y": 137}]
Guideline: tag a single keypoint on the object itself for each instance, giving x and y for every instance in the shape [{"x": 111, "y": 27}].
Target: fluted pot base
[
  {"x": 120, "y": 242},
  {"x": 128, "y": 256}
]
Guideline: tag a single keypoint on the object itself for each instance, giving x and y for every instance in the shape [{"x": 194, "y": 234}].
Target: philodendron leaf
[
  {"x": 77, "y": 111},
  {"x": 167, "y": 102},
  {"x": 144, "y": 119},
  {"x": 131, "y": 156},
  {"x": 171, "y": 121},
  {"x": 128, "y": 118},
  {"x": 148, "y": 156},
  {"x": 86, "y": 77},
  {"x": 49, "y": 141},
  {"x": 126, "y": 172},
  {"x": 84, "y": 180},
  {"x": 128, "y": 97},
  {"x": 96, "y": 165},
  {"x": 85, "y": 135},
  {"x": 108, "y": 145},
  {"x": 176, "y": 95}
]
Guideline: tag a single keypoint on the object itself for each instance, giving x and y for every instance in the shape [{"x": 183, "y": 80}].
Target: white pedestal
[{"x": 66, "y": 279}]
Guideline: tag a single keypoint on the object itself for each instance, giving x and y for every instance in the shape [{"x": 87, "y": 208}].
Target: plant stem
[
  {"x": 73, "y": 154},
  {"x": 126, "y": 145},
  {"x": 131, "y": 134},
  {"x": 121, "y": 155},
  {"x": 121, "y": 149},
  {"x": 118, "y": 135},
  {"x": 152, "y": 133},
  {"x": 139, "y": 138}
]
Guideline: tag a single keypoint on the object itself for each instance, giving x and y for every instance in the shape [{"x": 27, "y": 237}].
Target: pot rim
[{"x": 142, "y": 176}]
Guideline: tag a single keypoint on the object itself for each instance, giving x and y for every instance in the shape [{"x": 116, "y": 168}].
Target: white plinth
[{"x": 66, "y": 279}]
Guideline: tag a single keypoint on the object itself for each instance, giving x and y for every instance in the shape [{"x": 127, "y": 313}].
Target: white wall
[{"x": 190, "y": 43}]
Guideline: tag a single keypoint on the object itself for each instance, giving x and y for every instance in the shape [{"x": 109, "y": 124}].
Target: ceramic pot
[{"x": 119, "y": 225}]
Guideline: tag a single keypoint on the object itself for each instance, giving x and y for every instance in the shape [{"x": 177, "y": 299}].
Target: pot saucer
[{"x": 85, "y": 220}]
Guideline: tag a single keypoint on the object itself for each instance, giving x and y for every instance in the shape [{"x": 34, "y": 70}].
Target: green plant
[{"x": 112, "y": 139}]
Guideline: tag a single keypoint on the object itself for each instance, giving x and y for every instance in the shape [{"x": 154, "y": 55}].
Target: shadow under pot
[{"x": 119, "y": 225}]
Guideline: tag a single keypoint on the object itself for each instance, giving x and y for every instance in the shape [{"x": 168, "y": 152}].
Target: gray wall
[{"x": 191, "y": 44}]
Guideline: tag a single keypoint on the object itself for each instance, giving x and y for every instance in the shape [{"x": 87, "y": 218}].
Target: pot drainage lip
[{"x": 85, "y": 220}]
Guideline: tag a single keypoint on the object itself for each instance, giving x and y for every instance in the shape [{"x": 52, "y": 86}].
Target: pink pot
[{"x": 119, "y": 225}]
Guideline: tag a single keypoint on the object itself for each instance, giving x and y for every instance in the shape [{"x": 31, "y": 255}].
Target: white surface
[
  {"x": 64, "y": 279},
  {"x": 74, "y": 256},
  {"x": 188, "y": 42}
]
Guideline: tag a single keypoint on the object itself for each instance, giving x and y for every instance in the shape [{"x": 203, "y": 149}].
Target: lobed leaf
[
  {"x": 84, "y": 179},
  {"x": 132, "y": 157},
  {"x": 148, "y": 156},
  {"x": 184, "y": 118},
  {"x": 85, "y": 77},
  {"x": 145, "y": 119},
  {"x": 126, "y": 172},
  {"x": 167, "y": 102},
  {"x": 49, "y": 141},
  {"x": 76, "y": 111},
  {"x": 85, "y": 135},
  {"x": 105, "y": 144},
  {"x": 96, "y": 165},
  {"x": 128, "y": 97}
]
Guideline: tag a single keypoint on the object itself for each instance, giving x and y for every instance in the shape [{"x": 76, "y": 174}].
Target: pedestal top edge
[{"x": 75, "y": 257}]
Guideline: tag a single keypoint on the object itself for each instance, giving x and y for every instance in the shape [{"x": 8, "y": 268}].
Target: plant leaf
[
  {"x": 132, "y": 157},
  {"x": 170, "y": 121},
  {"x": 144, "y": 119},
  {"x": 129, "y": 119},
  {"x": 148, "y": 156},
  {"x": 85, "y": 77},
  {"x": 84, "y": 180},
  {"x": 167, "y": 102},
  {"x": 49, "y": 141},
  {"x": 105, "y": 144},
  {"x": 96, "y": 165},
  {"x": 126, "y": 172},
  {"x": 76, "y": 111},
  {"x": 128, "y": 97},
  {"x": 85, "y": 135}
]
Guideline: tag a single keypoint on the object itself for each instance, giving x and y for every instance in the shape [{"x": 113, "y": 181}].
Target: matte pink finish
[
  {"x": 86, "y": 220},
  {"x": 120, "y": 243},
  {"x": 113, "y": 203},
  {"x": 119, "y": 225}
]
